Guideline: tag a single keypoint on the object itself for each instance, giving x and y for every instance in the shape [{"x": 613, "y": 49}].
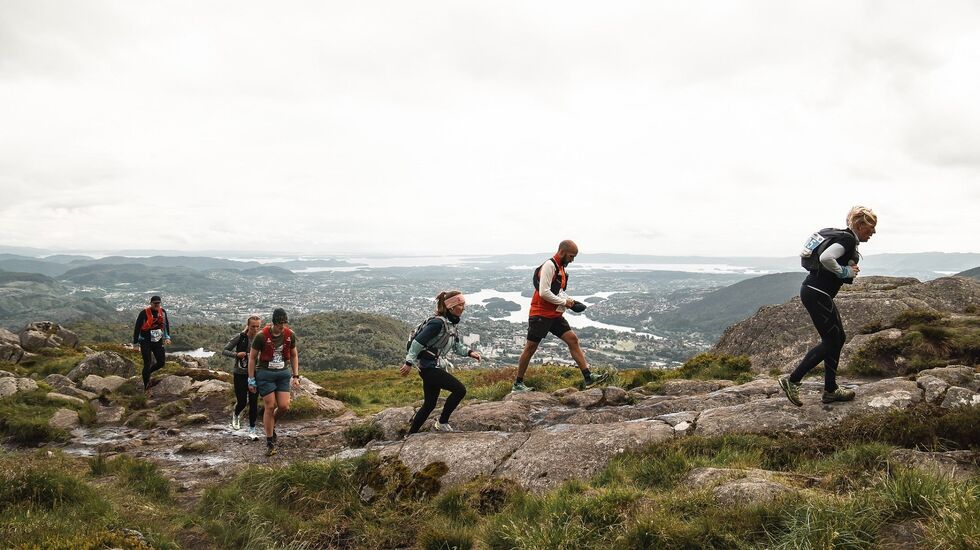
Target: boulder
[
  {"x": 212, "y": 386},
  {"x": 960, "y": 397},
  {"x": 109, "y": 415},
  {"x": 584, "y": 399},
  {"x": 142, "y": 419},
  {"x": 394, "y": 422},
  {"x": 58, "y": 381},
  {"x": 555, "y": 454},
  {"x": 534, "y": 399},
  {"x": 64, "y": 419},
  {"x": 959, "y": 465},
  {"x": 12, "y": 353},
  {"x": 467, "y": 455},
  {"x": 312, "y": 390},
  {"x": 860, "y": 341},
  {"x": 196, "y": 418},
  {"x": 692, "y": 387},
  {"x": 12, "y": 385},
  {"x": 103, "y": 364},
  {"x": 778, "y": 414},
  {"x": 45, "y": 334},
  {"x": 777, "y": 337},
  {"x": 934, "y": 389},
  {"x": 99, "y": 385},
  {"x": 173, "y": 385},
  {"x": 7, "y": 374},
  {"x": 956, "y": 375},
  {"x": 197, "y": 446},
  {"x": 62, "y": 398},
  {"x": 748, "y": 492},
  {"x": 504, "y": 416},
  {"x": 614, "y": 396},
  {"x": 7, "y": 337}
]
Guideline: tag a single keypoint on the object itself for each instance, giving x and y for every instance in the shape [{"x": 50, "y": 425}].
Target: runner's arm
[
  {"x": 166, "y": 325},
  {"x": 546, "y": 275},
  {"x": 829, "y": 260},
  {"x": 140, "y": 319},
  {"x": 231, "y": 348}
]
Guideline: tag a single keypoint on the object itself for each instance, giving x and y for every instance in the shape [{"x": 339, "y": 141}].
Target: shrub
[
  {"x": 910, "y": 317},
  {"x": 359, "y": 435},
  {"x": 706, "y": 366}
]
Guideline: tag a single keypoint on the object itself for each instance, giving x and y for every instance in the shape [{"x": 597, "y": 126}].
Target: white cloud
[{"x": 449, "y": 127}]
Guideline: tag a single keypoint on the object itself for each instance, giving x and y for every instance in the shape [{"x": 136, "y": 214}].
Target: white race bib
[
  {"x": 811, "y": 244},
  {"x": 277, "y": 362},
  {"x": 156, "y": 335}
]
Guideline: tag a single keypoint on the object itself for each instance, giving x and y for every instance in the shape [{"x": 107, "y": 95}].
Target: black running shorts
[{"x": 539, "y": 327}]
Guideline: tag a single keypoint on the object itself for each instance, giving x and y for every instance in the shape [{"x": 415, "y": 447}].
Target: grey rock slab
[
  {"x": 64, "y": 419},
  {"x": 110, "y": 415},
  {"x": 584, "y": 399},
  {"x": 98, "y": 384},
  {"x": 956, "y": 375},
  {"x": 12, "y": 385},
  {"x": 58, "y": 382},
  {"x": 12, "y": 353},
  {"x": 694, "y": 387},
  {"x": 62, "y": 398},
  {"x": 746, "y": 492},
  {"x": 394, "y": 422},
  {"x": 212, "y": 386},
  {"x": 555, "y": 454},
  {"x": 960, "y": 397},
  {"x": 7, "y": 337},
  {"x": 934, "y": 389},
  {"x": 173, "y": 385},
  {"x": 7, "y": 374},
  {"x": 504, "y": 416},
  {"x": 467, "y": 455},
  {"x": 613, "y": 396},
  {"x": 103, "y": 364},
  {"x": 534, "y": 399},
  {"x": 959, "y": 465}
]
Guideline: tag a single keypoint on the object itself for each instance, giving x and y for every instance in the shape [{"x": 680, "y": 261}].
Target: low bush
[
  {"x": 359, "y": 435},
  {"x": 708, "y": 366}
]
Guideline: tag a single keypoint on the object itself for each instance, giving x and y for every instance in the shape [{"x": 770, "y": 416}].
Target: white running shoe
[
  {"x": 251, "y": 433},
  {"x": 440, "y": 427},
  {"x": 236, "y": 421}
]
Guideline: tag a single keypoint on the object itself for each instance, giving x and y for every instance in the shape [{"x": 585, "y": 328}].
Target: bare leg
[
  {"x": 578, "y": 355},
  {"x": 282, "y": 403},
  {"x": 526, "y": 355},
  {"x": 269, "y": 414}
]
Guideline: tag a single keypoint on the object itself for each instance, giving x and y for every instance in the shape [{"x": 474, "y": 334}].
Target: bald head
[{"x": 567, "y": 250}]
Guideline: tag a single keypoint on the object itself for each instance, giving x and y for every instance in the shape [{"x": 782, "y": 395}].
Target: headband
[{"x": 454, "y": 301}]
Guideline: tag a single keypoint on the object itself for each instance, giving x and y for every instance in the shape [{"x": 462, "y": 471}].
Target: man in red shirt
[{"x": 547, "y": 308}]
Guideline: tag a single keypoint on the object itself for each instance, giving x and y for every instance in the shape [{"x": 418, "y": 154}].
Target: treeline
[{"x": 335, "y": 340}]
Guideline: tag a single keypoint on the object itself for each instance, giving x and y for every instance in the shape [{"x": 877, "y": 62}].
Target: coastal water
[{"x": 575, "y": 320}]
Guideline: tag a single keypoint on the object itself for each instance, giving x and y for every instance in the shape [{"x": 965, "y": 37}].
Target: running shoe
[
  {"x": 519, "y": 387},
  {"x": 596, "y": 379},
  {"x": 440, "y": 427},
  {"x": 792, "y": 390},
  {"x": 236, "y": 421},
  {"x": 270, "y": 450},
  {"x": 251, "y": 433},
  {"x": 839, "y": 394}
]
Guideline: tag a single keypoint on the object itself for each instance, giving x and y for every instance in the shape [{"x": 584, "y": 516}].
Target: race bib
[
  {"x": 277, "y": 362},
  {"x": 811, "y": 244},
  {"x": 156, "y": 335}
]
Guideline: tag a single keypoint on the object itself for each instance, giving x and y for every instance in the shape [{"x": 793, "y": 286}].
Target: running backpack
[
  {"x": 438, "y": 342},
  {"x": 817, "y": 243},
  {"x": 556, "y": 285}
]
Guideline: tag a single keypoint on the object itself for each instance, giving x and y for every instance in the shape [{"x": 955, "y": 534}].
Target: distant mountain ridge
[{"x": 27, "y": 296}]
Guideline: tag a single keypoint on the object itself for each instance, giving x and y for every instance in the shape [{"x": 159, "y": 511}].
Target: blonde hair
[
  {"x": 441, "y": 308},
  {"x": 861, "y": 214},
  {"x": 252, "y": 318}
]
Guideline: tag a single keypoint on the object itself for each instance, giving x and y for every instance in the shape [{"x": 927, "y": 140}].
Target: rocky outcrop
[
  {"x": 45, "y": 334},
  {"x": 10, "y": 385},
  {"x": 64, "y": 419},
  {"x": 777, "y": 337},
  {"x": 171, "y": 385},
  {"x": 99, "y": 385},
  {"x": 103, "y": 364},
  {"x": 312, "y": 391}
]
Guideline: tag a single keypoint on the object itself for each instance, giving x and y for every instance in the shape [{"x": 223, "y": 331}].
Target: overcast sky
[{"x": 707, "y": 128}]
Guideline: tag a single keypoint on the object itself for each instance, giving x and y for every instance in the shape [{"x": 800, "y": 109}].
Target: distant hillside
[
  {"x": 26, "y": 297},
  {"x": 334, "y": 340},
  {"x": 713, "y": 313},
  {"x": 974, "y": 273}
]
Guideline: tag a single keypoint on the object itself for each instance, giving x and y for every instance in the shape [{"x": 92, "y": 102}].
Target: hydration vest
[
  {"x": 817, "y": 243},
  {"x": 153, "y": 323},
  {"x": 268, "y": 349}
]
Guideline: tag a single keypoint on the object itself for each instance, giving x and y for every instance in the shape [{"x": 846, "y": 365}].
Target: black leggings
[
  {"x": 242, "y": 395},
  {"x": 151, "y": 350},
  {"x": 433, "y": 380},
  {"x": 827, "y": 319}
]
